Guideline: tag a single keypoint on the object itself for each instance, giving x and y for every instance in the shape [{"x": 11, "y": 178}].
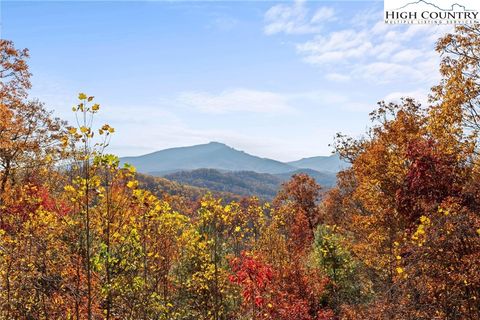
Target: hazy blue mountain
[
  {"x": 331, "y": 163},
  {"x": 245, "y": 183},
  {"x": 220, "y": 168},
  {"x": 212, "y": 155},
  {"x": 326, "y": 179}
]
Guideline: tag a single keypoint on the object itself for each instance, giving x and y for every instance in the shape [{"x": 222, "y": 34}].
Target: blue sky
[{"x": 276, "y": 79}]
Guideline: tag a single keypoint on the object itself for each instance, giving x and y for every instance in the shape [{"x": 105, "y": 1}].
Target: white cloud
[
  {"x": 407, "y": 55},
  {"x": 385, "y": 72},
  {"x": 337, "y": 77},
  {"x": 269, "y": 103},
  {"x": 419, "y": 95},
  {"x": 244, "y": 100},
  {"x": 366, "y": 48},
  {"x": 296, "y": 19},
  {"x": 323, "y": 14},
  {"x": 330, "y": 100},
  {"x": 366, "y": 17},
  {"x": 379, "y": 52},
  {"x": 337, "y": 46}
]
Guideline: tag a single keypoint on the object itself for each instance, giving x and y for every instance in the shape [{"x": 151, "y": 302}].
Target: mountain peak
[
  {"x": 213, "y": 155},
  {"x": 217, "y": 155},
  {"x": 331, "y": 163},
  {"x": 218, "y": 144}
]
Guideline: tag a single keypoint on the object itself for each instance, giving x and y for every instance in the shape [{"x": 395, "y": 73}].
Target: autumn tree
[
  {"x": 298, "y": 200},
  {"x": 35, "y": 271},
  {"x": 410, "y": 195},
  {"x": 457, "y": 94},
  {"x": 14, "y": 72},
  {"x": 346, "y": 284},
  {"x": 29, "y": 134},
  {"x": 398, "y": 237}
]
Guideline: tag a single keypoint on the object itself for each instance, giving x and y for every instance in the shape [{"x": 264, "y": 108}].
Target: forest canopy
[{"x": 397, "y": 238}]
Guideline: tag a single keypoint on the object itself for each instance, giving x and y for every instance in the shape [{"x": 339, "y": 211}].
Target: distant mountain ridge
[
  {"x": 331, "y": 163},
  {"x": 219, "y": 156},
  {"x": 213, "y": 155},
  {"x": 217, "y": 167},
  {"x": 245, "y": 183}
]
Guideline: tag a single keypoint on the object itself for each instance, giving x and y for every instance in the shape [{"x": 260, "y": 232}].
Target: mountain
[
  {"x": 331, "y": 163},
  {"x": 245, "y": 183},
  {"x": 326, "y": 179},
  {"x": 212, "y": 155},
  {"x": 181, "y": 192},
  {"x": 217, "y": 167}
]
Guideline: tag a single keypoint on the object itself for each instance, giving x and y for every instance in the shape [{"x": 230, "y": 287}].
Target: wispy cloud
[
  {"x": 337, "y": 77},
  {"x": 296, "y": 19},
  {"x": 378, "y": 53},
  {"x": 331, "y": 100},
  {"x": 364, "y": 48},
  {"x": 419, "y": 95},
  {"x": 337, "y": 46},
  {"x": 236, "y": 100},
  {"x": 269, "y": 103}
]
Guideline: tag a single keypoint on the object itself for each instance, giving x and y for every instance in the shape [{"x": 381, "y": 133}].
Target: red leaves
[
  {"x": 274, "y": 294},
  {"x": 432, "y": 177},
  {"x": 325, "y": 315},
  {"x": 51, "y": 204},
  {"x": 253, "y": 276},
  {"x": 27, "y": 199},
  {"x": 298, "y": 201}
]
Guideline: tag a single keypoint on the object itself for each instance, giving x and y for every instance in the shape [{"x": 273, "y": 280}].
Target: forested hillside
[
  {"x": 214, "y": 163},
  {"x": 246, "y": 183},
  {"x": 398, "y": 237},
  {"x": 180, "y": 196}
]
